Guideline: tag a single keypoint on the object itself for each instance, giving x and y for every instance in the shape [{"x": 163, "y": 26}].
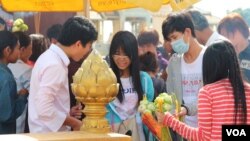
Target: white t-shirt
[
  {"x": 22, "y": 74},
  {"x": 191, "y": 84},
  {"x": 128, "y": 107}
]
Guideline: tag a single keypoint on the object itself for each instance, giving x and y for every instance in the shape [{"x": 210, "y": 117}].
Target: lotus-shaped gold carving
[{"x": 95, "y": 85}]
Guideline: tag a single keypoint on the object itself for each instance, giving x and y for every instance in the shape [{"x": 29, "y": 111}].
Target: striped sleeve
[
  {"x": 203, "y": 132},
  {"x": 205, "y": 114}
]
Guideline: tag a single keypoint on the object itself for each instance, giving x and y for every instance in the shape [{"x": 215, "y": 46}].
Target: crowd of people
[{"x": 209, "y": 71}]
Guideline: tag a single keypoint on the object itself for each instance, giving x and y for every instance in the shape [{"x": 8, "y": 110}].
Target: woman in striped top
[{"x": 224, "y": 98}]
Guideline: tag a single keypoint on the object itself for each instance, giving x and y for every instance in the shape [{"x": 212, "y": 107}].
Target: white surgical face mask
[{"x": 179, "y": 46}]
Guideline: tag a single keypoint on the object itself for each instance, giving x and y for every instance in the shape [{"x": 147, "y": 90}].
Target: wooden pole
[
  {"x": 37, "y": 19},
  {"x": 86, "y": 8}
]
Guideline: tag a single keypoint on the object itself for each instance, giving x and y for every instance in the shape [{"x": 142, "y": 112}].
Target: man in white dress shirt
[
  {"x": 203, "y": 32},
  {"x": 49, "y": 102}
]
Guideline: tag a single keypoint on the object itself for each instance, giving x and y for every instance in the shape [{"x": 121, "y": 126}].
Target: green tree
[{"x": 244, "y": 13}]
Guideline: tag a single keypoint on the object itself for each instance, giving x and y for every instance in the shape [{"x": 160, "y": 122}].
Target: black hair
[
  {"x": 54, "y": 31},
  {"x": 24, "y": 39},
  {"x": 177, "y": 22},
  {"x": 199, "y": 20},
  {"x": 75, "y": 29},
  {"x": 233, "y": 22},
  {"x": 148, "y": 62},
  {"x": 220, "y": 61},
  {"x": 7, "y": 39},
  {"x": 148, "y": 37},
  {"x": 126, "y": 41}
]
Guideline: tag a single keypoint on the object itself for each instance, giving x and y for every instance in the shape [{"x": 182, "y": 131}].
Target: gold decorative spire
[{"x": 95, "y": 85}]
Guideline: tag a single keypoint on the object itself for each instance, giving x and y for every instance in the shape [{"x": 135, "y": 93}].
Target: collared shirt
[
  {"x": 49, "y": 102},
  {"x": 214, "y": 37}
]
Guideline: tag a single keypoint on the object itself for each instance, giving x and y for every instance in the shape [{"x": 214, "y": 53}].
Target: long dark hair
[
  {"x": 126, "y": 41},
  {"x": 219, "y": 62}
]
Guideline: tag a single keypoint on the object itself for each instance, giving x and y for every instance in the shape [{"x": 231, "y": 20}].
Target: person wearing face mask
[{"x": 185, "y": 66}]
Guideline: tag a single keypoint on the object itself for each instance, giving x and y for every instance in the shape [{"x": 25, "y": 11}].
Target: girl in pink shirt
[{"x": 223, "y": 100}]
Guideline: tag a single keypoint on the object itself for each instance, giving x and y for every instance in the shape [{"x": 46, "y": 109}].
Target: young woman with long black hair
[{"x": 124, "y": 61}]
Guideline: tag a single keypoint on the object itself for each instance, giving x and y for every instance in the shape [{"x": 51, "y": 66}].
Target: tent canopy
[{"x": 96, "y": 5}]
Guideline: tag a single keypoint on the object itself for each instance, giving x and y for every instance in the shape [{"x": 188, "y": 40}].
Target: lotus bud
[{"x": 96, "y": 78}]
